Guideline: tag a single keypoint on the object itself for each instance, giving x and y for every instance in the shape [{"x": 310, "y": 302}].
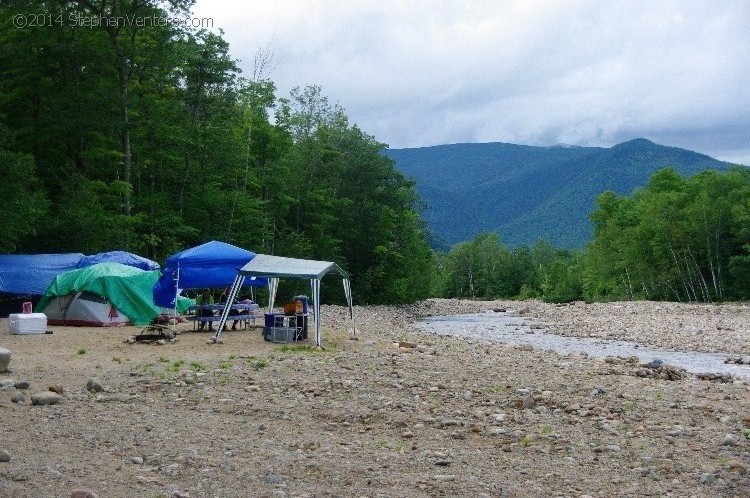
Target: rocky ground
[{"x": 396, "y": 413}]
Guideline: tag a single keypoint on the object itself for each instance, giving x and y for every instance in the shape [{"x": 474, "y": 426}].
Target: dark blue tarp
[
  {"x": 30, "y": 274},
  {"x": 121, "y": 257},
  {"x": 213, "y": 264}
]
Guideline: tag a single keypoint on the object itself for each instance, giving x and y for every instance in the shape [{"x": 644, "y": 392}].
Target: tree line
[{"x": 680, "y": 239}]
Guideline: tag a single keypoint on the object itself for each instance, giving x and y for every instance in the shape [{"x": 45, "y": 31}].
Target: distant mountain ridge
[{"x": 528, "y": 192}]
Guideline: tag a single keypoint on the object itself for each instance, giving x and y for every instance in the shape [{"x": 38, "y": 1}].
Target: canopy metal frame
[{"x": 275, "y": 267}]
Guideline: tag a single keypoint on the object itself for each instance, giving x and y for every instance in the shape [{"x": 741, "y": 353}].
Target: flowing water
[{"x": 500, "y": 327}]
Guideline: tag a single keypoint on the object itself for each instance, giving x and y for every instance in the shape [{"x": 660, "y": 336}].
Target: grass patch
[
  {"x": 176, "y": 365},
  {"x": 198, "y": 366},
  {"x": 298, "y": 348},
  {"x": 257, "y": 364},
  {"x": 81, "y": 351}
]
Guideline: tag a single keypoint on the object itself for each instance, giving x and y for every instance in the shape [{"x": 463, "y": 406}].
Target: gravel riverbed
[{"x": 398, "y": 412}]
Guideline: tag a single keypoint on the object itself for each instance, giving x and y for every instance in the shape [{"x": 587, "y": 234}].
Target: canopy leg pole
[
  {"x": 273, "y": 284},
  {"x": 316, "y": 308},
  {"x": 176, "y": 293},
  {"x": 238, "y": 280},
  {"x": 348, "y": 293}
]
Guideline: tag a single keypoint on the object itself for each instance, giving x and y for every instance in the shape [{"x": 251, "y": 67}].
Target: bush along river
[{"x": 507, "y": 328}]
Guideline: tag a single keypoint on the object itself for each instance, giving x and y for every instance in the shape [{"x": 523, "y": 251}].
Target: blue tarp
[
  {"x": 121, "y": 257},
  {"x": 213, "y": 264},
  {"x": 30, "y": 274}
]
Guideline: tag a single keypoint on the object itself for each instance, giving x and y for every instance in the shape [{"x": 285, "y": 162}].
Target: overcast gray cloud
[{"x": 418, "y": 73}]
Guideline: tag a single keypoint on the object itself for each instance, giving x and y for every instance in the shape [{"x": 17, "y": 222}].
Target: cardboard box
[{"x": 27, "y": 323}]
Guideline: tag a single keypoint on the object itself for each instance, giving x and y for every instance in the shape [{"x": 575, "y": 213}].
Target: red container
[{"x": 27, "y": 307}]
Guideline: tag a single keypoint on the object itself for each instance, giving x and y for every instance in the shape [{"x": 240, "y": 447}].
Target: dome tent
[{"x": 104, "y": 294}]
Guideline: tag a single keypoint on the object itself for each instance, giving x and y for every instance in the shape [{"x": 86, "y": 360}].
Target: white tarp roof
[{"x": 264, "y": 265}]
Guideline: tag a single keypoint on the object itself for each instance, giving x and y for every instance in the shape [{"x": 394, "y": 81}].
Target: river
[{"x": 501, "y": 327}]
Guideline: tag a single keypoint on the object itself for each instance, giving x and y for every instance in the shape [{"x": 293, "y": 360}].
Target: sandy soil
[{"x": 395, "y": 413}]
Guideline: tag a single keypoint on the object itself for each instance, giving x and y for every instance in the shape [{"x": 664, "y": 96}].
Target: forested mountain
[
  {"x": 123, "y": 128},
  {"x": 525, "y": 193}
]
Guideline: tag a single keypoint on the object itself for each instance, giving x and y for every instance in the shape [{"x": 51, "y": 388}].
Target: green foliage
[
  {"x": 24, "y": 205},
  {"x": 147, "y": 139},
  {"x": 679, "y": 238},
  {"x": 485, "y": 268}
]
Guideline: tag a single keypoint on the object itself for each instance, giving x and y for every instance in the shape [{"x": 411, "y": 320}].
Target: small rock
[
  {"x": 655, "y": 363},
  {"x": 94, "y": 385},
  {"x": 22, "y": 385},
  {"x": 526, "y": 403},
  {"x": 262, "y": 427},
  {"x": 274, "y": 479},
  {"x": 136, "y": 460},
  {"x": 707, "y": 478},
  {"x": 444, "y": 477},
  {"x": 45, "y": 398},
  {"x": 57, "y": 389},
  {"x": 613, "y": 448},
  {"x": 18, "y": 398},
  {"x": 729, "y": 440},
  {"x": 7, "y": 383},
  {"x": 83, "y": 493},
  {"x": 404, "y": 344},
  {"x": 4, "y": 456}
]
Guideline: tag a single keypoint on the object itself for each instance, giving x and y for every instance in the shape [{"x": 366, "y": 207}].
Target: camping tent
[
  {"x": 213, "y": 264},
  {"x": 275, "y": 267},
  {"x": 123, "y": 257},
  {"x": 104, "y": 294},
  {"x": 30, "y": 274}
]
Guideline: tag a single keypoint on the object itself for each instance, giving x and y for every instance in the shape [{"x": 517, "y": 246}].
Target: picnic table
[{"x": 212, "y": 313}]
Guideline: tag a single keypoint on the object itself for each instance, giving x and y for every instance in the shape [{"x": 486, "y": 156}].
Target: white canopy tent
[{"x": 276, "y": 267}]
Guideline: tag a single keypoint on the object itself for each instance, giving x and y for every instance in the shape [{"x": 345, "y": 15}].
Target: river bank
[{"x": 397, "y": 412}]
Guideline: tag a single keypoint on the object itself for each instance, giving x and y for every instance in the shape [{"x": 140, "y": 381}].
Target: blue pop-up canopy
[{"x": 213, "y": 264}]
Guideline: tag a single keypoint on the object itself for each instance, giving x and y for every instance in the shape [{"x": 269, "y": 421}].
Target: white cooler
[{"x": 27, "y": 323}]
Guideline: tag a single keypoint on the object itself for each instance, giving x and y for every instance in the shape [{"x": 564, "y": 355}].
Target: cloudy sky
[{"x": 593, "y": 73}]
